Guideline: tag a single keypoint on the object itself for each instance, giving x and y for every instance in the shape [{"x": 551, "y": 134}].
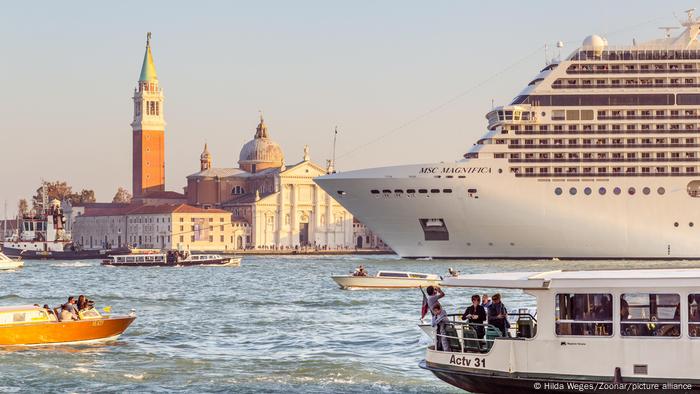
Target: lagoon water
[{"x": 275, "y": 324}]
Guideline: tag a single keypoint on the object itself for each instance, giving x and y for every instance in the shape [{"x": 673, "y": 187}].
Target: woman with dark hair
[{"x": 475, "y": 313}]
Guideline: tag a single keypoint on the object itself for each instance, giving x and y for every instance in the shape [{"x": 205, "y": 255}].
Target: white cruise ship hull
[{"x": 521, "y": 217}]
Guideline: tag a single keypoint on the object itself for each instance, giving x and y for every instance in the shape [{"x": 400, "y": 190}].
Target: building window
[
  {"x": 649, "y": 314},
  {"x": 584, "y": 314}
]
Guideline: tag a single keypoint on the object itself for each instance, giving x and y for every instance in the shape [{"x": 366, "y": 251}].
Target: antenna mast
[{"x": 335, "y": 139}]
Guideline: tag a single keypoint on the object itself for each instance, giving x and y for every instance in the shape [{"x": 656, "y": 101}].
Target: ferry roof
[{"x": 639, "y": 278}]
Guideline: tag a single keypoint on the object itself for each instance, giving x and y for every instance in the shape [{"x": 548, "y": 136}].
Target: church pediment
[{"x": 303, "y": 169}]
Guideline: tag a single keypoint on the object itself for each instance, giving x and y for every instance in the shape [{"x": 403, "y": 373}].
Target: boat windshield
[{"x": 393, "y": 274}]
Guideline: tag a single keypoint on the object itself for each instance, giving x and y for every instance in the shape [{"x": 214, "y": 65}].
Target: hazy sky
[{"x": 68, "y": 70}]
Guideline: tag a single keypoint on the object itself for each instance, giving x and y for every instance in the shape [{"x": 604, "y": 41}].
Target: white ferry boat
[
  {"x": 595, "y": 331},
  {"x": 387, "y": 280},
  {"x": 171, "y": 259},
  {"x": 597, "y": 157}
]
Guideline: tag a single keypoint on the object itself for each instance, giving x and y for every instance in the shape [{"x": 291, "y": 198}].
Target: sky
[{"x": 404, "y": 81}]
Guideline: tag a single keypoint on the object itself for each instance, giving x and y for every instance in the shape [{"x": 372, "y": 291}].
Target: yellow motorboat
[{"x": 33, "y": 325}]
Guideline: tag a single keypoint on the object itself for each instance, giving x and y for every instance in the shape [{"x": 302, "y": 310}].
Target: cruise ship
[{"x": 597, "y": 158}]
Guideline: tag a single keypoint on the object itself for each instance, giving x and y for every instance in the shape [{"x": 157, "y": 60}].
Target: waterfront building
[
  {"x": 168, "y": 226},
  {"x": 283, "y": 206}
]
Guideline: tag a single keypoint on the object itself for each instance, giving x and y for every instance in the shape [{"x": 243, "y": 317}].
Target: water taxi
[
  {"x": 387, "y": 280},
  {"x": 33, "y": 325},
  {"x": 171, "y": 259},
  {"x": 7, "y": 263},
  {"x": 595, "y": 331}
]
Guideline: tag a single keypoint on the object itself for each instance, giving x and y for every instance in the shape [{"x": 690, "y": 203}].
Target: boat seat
[
  {"x": 453, "y": 339},
  {"x": 471, "y": 340},
  {"x": 526, "y": 327},
  {"x": 491, "y": 334}
]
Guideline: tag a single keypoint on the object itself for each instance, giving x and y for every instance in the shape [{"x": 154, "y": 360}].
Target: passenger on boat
[
  {"x": 434, "y": 294},
  {"x": 82, "y": 302},
  {"x": 498, "y": 314},
  {"x": 439, "y": 322},
  {"x": 485, "y": 301},
  {"x": 69, "y": 311},
  {"x": 360, "y": 271},
  {"x": 476, "y": 314},
  {"x": 50, "y": 312},
  {"x": 452, "y": 272}
]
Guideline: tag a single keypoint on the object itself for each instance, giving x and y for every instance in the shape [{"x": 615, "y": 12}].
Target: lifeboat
[{"x": 33, "y": 325}]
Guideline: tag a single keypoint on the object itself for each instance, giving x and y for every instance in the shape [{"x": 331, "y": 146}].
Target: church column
[
  {"x": 318, "y": 229},
  {"x": 294, "y": 217},
  {"x": 281, "y": 226}
]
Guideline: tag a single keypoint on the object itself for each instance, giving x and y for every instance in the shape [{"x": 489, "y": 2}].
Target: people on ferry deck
[
  {"x": 485, "y": 301},
  {"x": 439, "y": 321},
  {"x": 475, "y": 313},
  {"x": 434, "y": 294},
  {"x": 498, "y": 314}
]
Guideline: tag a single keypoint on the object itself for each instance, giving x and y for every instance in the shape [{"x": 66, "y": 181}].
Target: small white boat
[
  {"x": 7, "y": 263},
  {"x": 387, "y": 280}
]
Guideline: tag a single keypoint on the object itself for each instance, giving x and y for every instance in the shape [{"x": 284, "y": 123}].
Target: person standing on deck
[{"x": 497, "y": 314}]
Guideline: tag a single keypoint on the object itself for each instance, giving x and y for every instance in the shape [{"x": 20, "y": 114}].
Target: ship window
[
  {"x": 398, "y": 191},
  {"x": 572, "y": 191},
  {"x": 584, "y": 314},
  {"x": 693, "y": 188},
  {"x": 646, "y": 191},
  {"x": 411, "y": 191},
  {"x": 558, "y": 191},
  {"x": 601, "y": 191},
  {"x": 447, "y": 190},
  {"x": 386, "y": 191},
  {"x": 422, "y": 191},
  {"x": 587, "y": 191},
  {"x": 694, "y": 315},
  {"x": 374, "y": 191},
  {"x": 617, "y": 190},
  {"x": 631, "y": 191},
  {"x": 434, "y": 229},
  {"x": 435, "y": 190},
  {"x": 649, "y": 314},
  {"x": 661, "y": 191}
]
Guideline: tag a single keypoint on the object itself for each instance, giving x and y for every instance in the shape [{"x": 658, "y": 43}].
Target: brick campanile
[{"x": 148, "y": 130}]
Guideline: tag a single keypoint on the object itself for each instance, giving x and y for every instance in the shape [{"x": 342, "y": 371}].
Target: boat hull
[
  {"x": 489, "y": 383},
  {"x": 372, "y": 282},
  {"x": 10, "y": 265},
  {"x": 55, "y": 255},
  {"x": 45, "y": 333}
]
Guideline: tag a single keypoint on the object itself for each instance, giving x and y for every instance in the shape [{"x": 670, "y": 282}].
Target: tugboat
[{"x": 41, "y": 236}]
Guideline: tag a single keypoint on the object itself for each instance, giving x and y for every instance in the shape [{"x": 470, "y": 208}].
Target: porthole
[
  {"x": 572, "y": 191},
  {"x": 558, "y": 191},
  {"x": 631, "y": 191},
  {"x": 469, "y": 244},
  {"x": 661, "y": 191},
  {"x": 646, "y": 191},
  {"x": 690, "y": 224},
  {"x": 617, "y": 190},
  {"x": 601, "y": 191},
  {"x": 587, "y": 191},
  {"x": 512, "y": 244},
  {"x": 675, "y": 224},
  {"x": 490, "y": 243},
  {"x": 500, "y": 170}
]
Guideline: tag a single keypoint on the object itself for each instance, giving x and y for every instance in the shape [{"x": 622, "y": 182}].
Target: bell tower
[{"x": 148, "y": 130}]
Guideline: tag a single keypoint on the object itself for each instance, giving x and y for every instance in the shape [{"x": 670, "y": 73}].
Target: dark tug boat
[{"x": 42, "y": 236}]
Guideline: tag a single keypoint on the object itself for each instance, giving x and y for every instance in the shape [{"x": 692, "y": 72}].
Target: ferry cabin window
[
  {"x": 694, "y": 315},
  {"x": 650, "y": 315},
  {"x": 584, "y": 314}
]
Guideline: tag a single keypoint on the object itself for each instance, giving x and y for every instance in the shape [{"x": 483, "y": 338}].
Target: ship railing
[{"x": 462, "y": 336}]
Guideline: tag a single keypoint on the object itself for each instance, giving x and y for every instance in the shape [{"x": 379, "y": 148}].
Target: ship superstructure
[{"x": 596, "y": 158}]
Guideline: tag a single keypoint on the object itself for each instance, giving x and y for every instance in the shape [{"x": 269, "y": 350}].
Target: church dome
[{"x": 261, "y": 152}]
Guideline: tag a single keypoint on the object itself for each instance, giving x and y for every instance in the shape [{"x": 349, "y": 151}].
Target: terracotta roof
[
  {"x": 220, "y": 172},
  {"x": 164, "y": 195},
  {"x": 89, "y": 205},
  {"x": 138, "y": 209},
  {"x": 172, "y": 208}
]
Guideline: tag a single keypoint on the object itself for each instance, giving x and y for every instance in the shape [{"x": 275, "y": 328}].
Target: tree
[
  {"x": 122, "y": 196},
  {"x": 23, "y": 207},
  {"x": 61, "y": 191}
]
